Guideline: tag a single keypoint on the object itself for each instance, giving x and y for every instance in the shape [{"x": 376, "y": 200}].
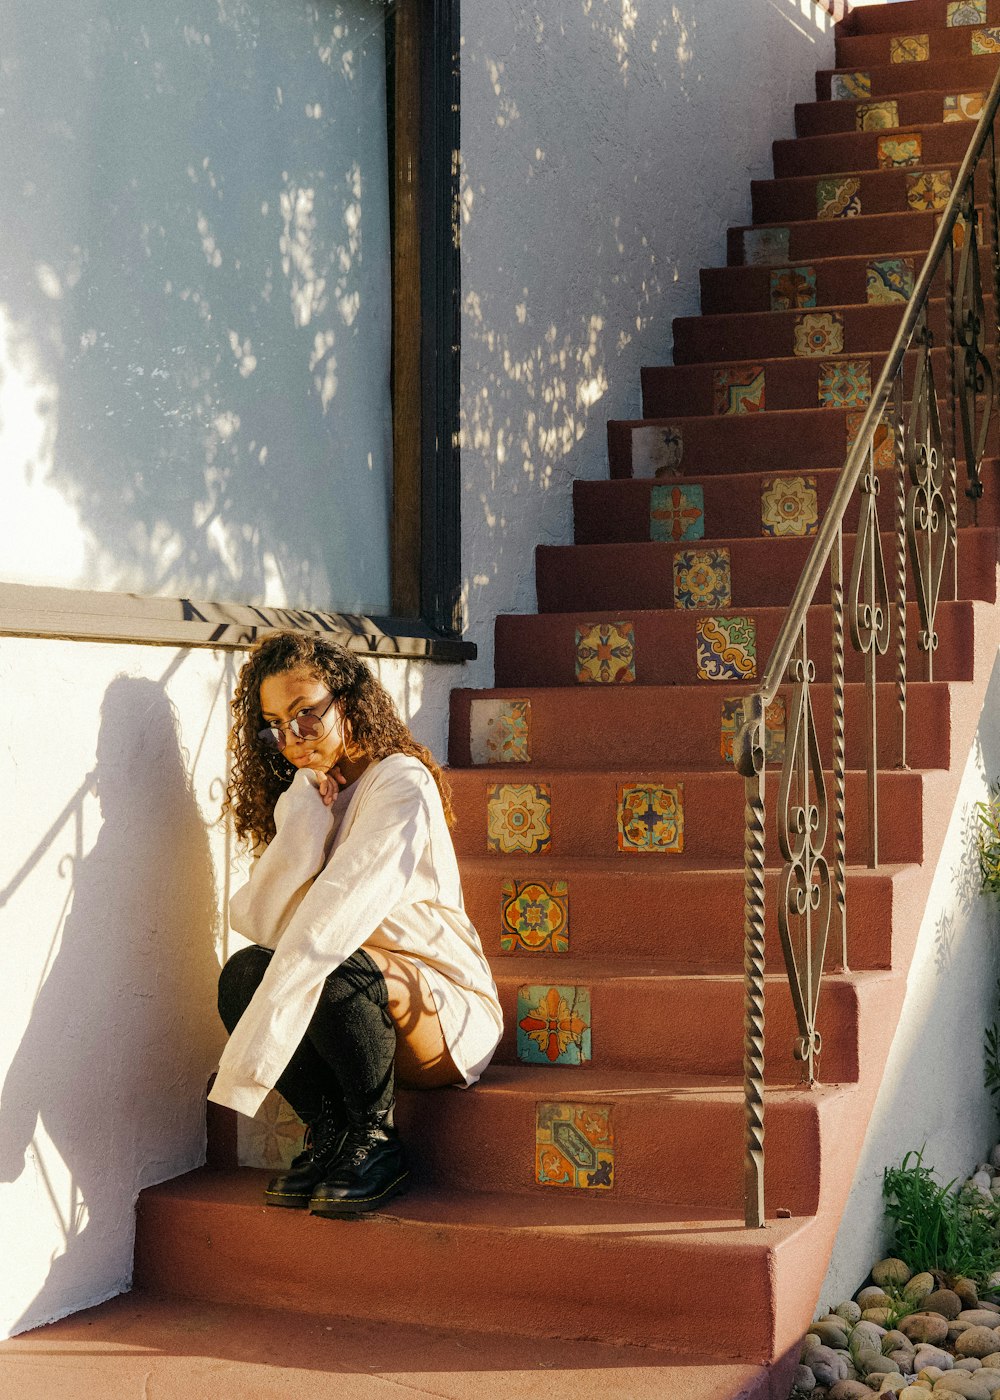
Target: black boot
[
  {"x": 369, "y": 1171},
  {"x": 324, "y": 1140}
]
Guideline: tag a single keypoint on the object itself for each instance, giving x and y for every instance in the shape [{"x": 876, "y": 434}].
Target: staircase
[{"x": 592, "y": 1185}]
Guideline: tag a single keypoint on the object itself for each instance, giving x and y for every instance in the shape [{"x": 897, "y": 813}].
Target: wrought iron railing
[{"x": 871, "y": 606}]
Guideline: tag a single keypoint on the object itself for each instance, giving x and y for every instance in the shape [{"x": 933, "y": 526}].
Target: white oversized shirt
[{"x": 382, "y": 873}]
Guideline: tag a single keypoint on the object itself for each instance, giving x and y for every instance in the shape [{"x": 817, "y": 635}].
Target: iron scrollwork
[
  {"x": 977, "y": 393},
  {"x": 926, "y": 513}
]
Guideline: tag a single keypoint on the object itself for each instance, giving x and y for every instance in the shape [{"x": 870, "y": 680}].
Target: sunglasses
[{"x": 304, "y": 726}]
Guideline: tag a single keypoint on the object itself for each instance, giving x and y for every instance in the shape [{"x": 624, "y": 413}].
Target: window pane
[{"x": 195, "y": 301}]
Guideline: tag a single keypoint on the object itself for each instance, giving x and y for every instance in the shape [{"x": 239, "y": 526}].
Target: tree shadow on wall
[{"x": 123, "y": 1032}]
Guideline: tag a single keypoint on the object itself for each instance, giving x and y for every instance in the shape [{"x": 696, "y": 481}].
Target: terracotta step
[
  {"x": 877, "y": 235},
  {"x": 581, "y": 810},
  {"x": 482, "y": 1261},
  {"x": 764, "y": 572},
  {"x": 667, "y": 1127},
  {"x": 912, "y": 109},
  {"x": 956, "y": 74},
  {"x": 833, "y": 281},
  {"x": 606, "y": 512},
  {"x": 938, "y": 145},
  {"x": 800, "y": 197},
  {"x": 935, "y": 44},
  {"x": 541, "y": 650},
  {"x": 771, "y": 335},
  {"x": 905, "y": 17},
  {"x": 637, "y": 913}
]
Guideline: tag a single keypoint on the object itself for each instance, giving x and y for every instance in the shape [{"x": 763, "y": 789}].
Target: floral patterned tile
[
  {"x": 961, "y": 12},
  {"x": 845, "y": 383},
  {"x": 677, "y": 513},
  {"x": 726, "y": 649},
  {"x": 910, "y": 48},
  {"x": 788, "y": 506},
  {"x": 885, "y": 452},
  {"x": 575, "y": 1146},
  {"x": 793, "y": 288},
  {"x": 500, "y": 731},
  {"x": 553, "y": 1025},
  {"x": 892, "y": 152},
  {"x": 657, "y": 451},
  {"x": 819, "y": 333},
  {"x": 519, "y": 818},
  {"x": 774, "y": 728},
  {"x": 738, "y": 389},
  {"x": 849, "y": 87},
  {"x": 763, "y": 247},
  {"x": 703, "y": 579},
  {"x": 889, "y": 281},
  {"x": 650, "y": 818},
  {"x": 876, "y": 116},
  {"x": 534, "y": 916},
  {"x": 839, "y": 198},
  {"x": 960, "y": 228},
  {"x": 605, "y": 653},
  {"x": 963, "y": 106},
  {"x": 931, "y": 189},
  {"x": 986, "y": 40}
]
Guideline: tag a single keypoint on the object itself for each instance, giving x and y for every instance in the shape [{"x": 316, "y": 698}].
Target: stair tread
[{"x": 561, "y": 1082}]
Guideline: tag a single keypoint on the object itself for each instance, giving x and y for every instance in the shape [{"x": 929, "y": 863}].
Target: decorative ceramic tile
[
  {"x": 986, "y": 40},
  {"x": 650, "y": 818},
  {"x": 788, "y": 506},
  {"x": 553, "y": 1025},
  {"x": 500, "y": 731},
  {"x": 656, "y": 451},
  {"x": 519, "y": 818},
  {"x": 271, "y": 1138},
  {"x": 703, "y": 579},
  {"x": 819, "y": 333},
  {"x": 966, "y": 12},
  {"x": 910, "y": 48},
  {"x": 605, "y": 653},
  {"x": 876, "y": 116},
  {"x": 845, "y": 383},
  {"x": 931, "y": 189},
  {"x": 774, "y": 728},
  {"x": 839, "y": 198},
  {"x": 574, "y": 1145},
  {"x": 849, "y": 87},
  {"x": 738, "y": 389},
  {"x": 763, "y": 247},
  {"x": 964, "y": 107},
  {"x": 885, "y": 452},
  {"x": 677, "y": 513},
  {"x": 793, "y": 288},
  {"x": 960, "y": 228},
  {"x": 726, "y": 649},
  {"x": 534, "y": 916},
  {"x": 895, "y": 151},
  {"x": 889, "y": 281}
]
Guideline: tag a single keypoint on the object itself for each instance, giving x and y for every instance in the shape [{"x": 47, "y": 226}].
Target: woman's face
[{"x": 292, "y": 694}]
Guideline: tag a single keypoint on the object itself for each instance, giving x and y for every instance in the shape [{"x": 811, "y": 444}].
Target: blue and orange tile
[
  {"x": 839, "y": 198},
  {"x": 850, "y": 87},
  {"x": 845, "y": 383},
  {"x": 726, "y": 649},
  {"x": 553, "y": 1025},
  {"x": 793, "y": 288},
  {"x": 703, "y": 578},
  {"x": 774, "y": 728},
  {"x": 575, "y": 1146},
  {"x": 677, "y": 513},
  {"x": 738, "y": 389},
  {"x": 534, "y": 916},
  {"x": 889, "y": 281},
  {"x": 500, "y": 731},
  {"x": 605, "y": 654},
  {"x": 650, "y": 818}
]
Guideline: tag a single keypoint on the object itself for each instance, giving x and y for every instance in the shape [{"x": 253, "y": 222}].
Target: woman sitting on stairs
[{"x": 363, "y": 963}]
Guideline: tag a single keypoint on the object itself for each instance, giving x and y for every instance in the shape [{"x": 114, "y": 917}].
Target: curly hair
[{"x": 258, "y": 776}]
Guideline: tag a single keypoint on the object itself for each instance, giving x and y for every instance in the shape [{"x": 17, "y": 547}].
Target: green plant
[
  {"x": 991, "y": 1060},
  {"x": 988, "y": 840},
  {"x": 939, "y": 1230}
]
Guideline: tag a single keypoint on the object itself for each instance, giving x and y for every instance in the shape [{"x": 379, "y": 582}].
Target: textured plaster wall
[{"x": 932, "y": 1093}]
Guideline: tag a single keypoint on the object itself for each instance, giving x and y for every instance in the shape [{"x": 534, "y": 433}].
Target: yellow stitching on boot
[{"x": 357, "y": 1200}]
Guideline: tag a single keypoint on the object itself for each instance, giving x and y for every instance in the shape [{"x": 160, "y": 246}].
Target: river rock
[
  {"x": 903, "y": 1359},
  {"x": 978, "y": 1317},
  {"x": 883, "y": 1316},
  {"x": 871, "y": 1332},
  {"x": 930, "y": 1373},
  {"x": 850, "y": 1390},
  {"x": 993, "y": 1360},
  {"x": 832, "y": 1332},
  {"x": 932, "y": 1356},
  {"x": 987, "y": 1306},
  {"x": 891, "y": 1271},
  {"x": 968, "y": 1363},
  {"x": 967, "y": 1291},
  {"x": 804, "y": 1380},
  {"x": 826, "y": 1365},
  {"x": 943, "y": 1301},
  {"x": 809, "y": 1341},
  {"x": 989, "y": 1374},
  {"x": 918, "y": 1287},
  {"x": 982, "y": 1179},
  {"x": 915, "y": 1392},
  {"x": 848, "y": 1310},
  {"x": 868, "y": 1360},
  {"x": 962, "y": 1383},
  {"x": 892, "y": 1385},
  {"x": 894, "y": 1338},
  {"x": 925, "y": 1327},
  {"x": 976, "y": 1341},
  {"x": 873, "y": 1298}
]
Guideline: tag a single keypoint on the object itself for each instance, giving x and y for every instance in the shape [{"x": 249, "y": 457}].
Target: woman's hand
[{"x": 330, "y": 783}]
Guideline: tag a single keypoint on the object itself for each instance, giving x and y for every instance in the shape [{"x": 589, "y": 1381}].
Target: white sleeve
[{"x": 280, "y": 877}]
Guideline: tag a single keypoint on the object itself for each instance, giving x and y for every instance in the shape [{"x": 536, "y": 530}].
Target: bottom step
[{"x": 178, "y": 1350}]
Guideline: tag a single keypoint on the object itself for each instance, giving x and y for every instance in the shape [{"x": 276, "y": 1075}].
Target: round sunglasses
[{"x": 304, "y": 726}]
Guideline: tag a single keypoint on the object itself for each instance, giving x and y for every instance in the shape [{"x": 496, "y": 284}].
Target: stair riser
[
  {"x": 584, "y": 816},
  {"x": 765, "y": 573},
  {"x": 910, "y": 17},
  {"x": 608, "y": 512},
  {"x": 681, "y": 726},
  {"x": 827, "y": 118},
  {"x": 971, "y": 74},
  {"x": 282, "y": 1259},
  {"x": 877, "y": 235},
  {"x": 681, "y": 1149},
  {"x": 881, "y": 192},
  {"x": 541, "y": 650},
  {"x": 630, "y": 917},
  {"x": 860, "y": 150},
  {"x": 944, "y": 45}
]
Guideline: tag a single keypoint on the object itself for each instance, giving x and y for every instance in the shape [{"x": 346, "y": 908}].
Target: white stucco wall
[
  {"x": 606, "y": 146},
  {"x": 932, "y": 1094}
]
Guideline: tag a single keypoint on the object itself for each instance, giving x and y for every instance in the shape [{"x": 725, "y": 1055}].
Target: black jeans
[{"x": 345, "y": 1061}]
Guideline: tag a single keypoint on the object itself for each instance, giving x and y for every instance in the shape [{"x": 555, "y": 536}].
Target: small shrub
[{"x": 938, "y": 1230}]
